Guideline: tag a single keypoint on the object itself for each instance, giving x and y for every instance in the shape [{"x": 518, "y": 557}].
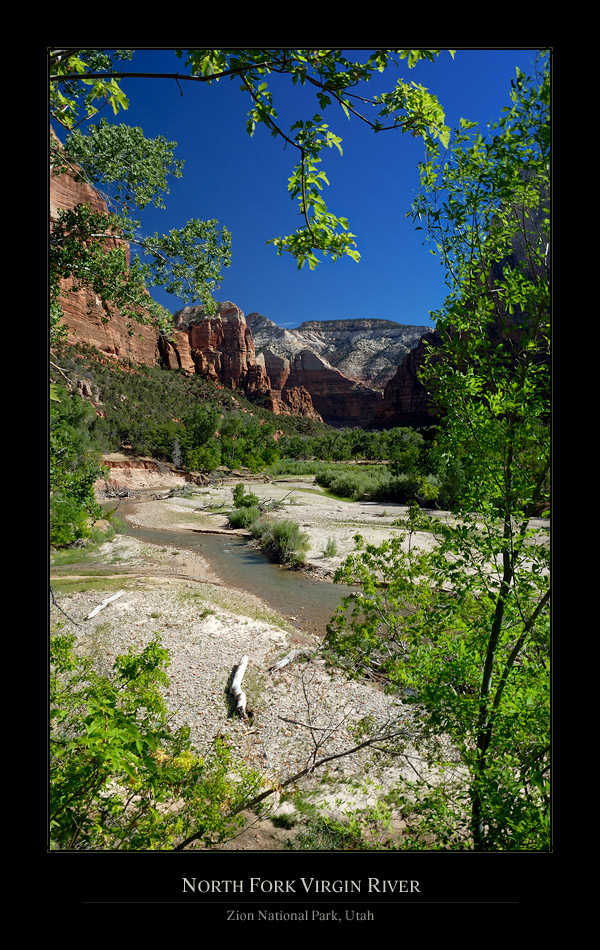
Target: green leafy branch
[
  {"x": 410, "y": 107},
  {"x": 121, "y": 777}
]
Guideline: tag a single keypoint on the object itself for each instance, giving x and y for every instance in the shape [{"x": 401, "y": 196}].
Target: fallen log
[
  {"x": 236, "y": 688},
  {"x": 104, "y": 604}
]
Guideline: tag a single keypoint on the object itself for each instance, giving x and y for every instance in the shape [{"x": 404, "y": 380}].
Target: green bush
[
  {"x": 402, "y": 489},
  {"x": 243, "y": 499},
  {"x": 356, "y": 483},
  {"x": 69, "y": 522},
  {"x": 243, "y": 517},
  {"x": 74, "y": 468},
  {"x": 283, "y": 541},
  {"x": 204, "y": 459}
]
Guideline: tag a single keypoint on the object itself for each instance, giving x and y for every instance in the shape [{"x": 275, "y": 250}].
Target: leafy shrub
[
  {"x": 243, "y": 517},
  {"x": 69, "y": 522},
  {"x": 429, "y": 490},
  {"x": 204, "y": 459},
  {"x": 244, "y": 499},
  {"x": 282, "y": 541},
  {"x": 402, "y": 489},
  {"x": 330, "y": 549},
  {"x": 74, "y": 468},
  {"x": 355, "y": 483}
]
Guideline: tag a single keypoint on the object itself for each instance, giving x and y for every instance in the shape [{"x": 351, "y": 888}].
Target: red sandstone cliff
[
  {"x": 222, "y": 349},
  {"x": 339, "y": 399},
  {"x": 85, "y": 318},
  {"x": 219, "y": 348},
  {"x": 405, "y": 400}
]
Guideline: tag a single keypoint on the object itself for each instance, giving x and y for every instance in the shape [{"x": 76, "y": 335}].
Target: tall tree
[{"x": 463, "y": 630}]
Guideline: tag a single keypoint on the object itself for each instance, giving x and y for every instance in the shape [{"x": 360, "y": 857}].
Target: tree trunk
[{"x": 236, "y": 688}]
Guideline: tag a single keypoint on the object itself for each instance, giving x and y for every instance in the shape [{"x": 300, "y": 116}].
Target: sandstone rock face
[
  {"x": 334, "y": 371},
  {"x": 405, "y": 401},
  {"x": 174, "y": 351},
  {"x": 336, "y": 398},
  {"x": 298, "y": 401},
  {"x": 344, "y": 365},
  {"x": 85, "y": 318},
  {"x": 115, "y": 337},
  {"x": 125, "y": 472},
  {"x": 221, "y": 348},
  {"x": 366, "y": 351},
  {"x": 339, "y": 400}
]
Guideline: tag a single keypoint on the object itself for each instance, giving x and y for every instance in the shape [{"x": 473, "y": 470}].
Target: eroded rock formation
[
  {"x": 405, "y": 400},
  {"x": 335, "y": 370},
  {"x": 364, "y": 350},
  {"x": 221, "y": 347},
  {"x": 344, "y": 364},
  {"x": 337, "y": 398}
]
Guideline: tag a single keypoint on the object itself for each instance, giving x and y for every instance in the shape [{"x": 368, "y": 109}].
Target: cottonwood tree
[{"x": 463, "y": 630}]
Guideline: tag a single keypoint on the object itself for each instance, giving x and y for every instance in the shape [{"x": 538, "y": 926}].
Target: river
[{"x": 307, "y": 603}]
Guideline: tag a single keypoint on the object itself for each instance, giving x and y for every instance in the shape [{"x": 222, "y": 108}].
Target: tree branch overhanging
[{"x": 307, "y": 770}]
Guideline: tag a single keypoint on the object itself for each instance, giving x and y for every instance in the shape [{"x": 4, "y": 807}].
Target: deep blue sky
[{"x": 242, "y": 182}]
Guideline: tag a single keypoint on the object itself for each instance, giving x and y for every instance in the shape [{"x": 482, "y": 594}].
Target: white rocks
[{"x": 203, "y": 654}]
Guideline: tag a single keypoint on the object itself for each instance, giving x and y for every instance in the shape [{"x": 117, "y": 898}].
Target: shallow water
[{"x": 308, "y": 603}]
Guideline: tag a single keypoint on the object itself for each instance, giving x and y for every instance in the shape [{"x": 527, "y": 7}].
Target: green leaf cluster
[
  {"x": 74, "y": 467},
  {"x": 80, "y": 79},
  {"x": 121, "y": 778},
  {"x": 336, "y": 80},
  {"x": 130, "y": 169},
  {"x": 75, "y": 94}
]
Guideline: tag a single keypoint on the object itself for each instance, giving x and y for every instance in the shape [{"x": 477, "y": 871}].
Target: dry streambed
[
  {"x": 207, "y": 628},
  {"x": 323, "y": 518}
]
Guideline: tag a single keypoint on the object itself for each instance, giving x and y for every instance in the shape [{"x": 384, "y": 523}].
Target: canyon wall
[
  {"x": 365, "y": 350},
  {"x": 405, "y": 400},
  {"x": 344, "y": 364},
  {"x": 335, "y": 370},
  {"x": 219, "y": 348},
  {"x": 339, "y": 400}
]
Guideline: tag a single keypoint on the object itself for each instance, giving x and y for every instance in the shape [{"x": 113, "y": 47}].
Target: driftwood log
[
  {"x": 115, "y": 491},
  {"x": 290, "y": 657},
  {"x": 104, "y": 604},
  {"x": 236, "y": 688}
]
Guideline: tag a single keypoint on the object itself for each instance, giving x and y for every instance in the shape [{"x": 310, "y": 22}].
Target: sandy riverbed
[
  {"x": 208, "y": 627},
  {"x": 321, "y": 517}
]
